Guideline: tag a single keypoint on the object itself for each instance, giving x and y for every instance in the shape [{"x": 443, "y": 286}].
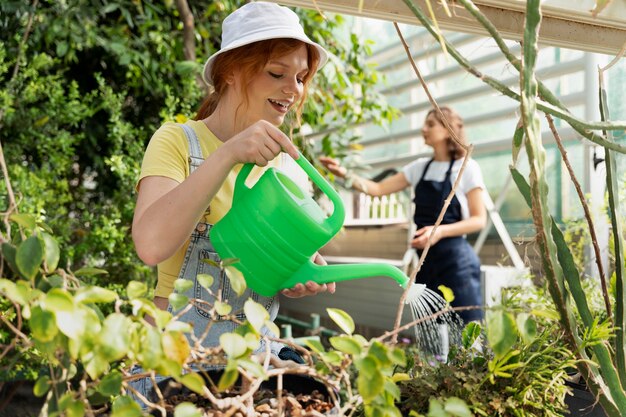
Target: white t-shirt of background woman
[{"x": 472, "y": 177}]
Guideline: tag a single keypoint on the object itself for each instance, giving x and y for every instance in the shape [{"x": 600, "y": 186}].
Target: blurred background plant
[{"x": 83, "y": 84}]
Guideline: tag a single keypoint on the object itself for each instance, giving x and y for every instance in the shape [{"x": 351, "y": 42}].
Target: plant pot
[
  {"x": 581, "y": 403},
  {"x": 299, "y": 386}
]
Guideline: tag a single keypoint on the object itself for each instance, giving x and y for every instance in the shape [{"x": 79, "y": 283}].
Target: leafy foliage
[
  {"x": 83, "y": 88},
  {"x": 523, "y": 377}
]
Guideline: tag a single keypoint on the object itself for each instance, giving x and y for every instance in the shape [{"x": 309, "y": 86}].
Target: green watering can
[{"x": 274, "y": 228}]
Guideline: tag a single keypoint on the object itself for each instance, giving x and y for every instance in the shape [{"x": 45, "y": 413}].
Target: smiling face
[{"x": 277, "y": 88}]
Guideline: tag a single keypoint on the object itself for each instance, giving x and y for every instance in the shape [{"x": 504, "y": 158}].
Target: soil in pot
[{"x": 300, "y": 396}]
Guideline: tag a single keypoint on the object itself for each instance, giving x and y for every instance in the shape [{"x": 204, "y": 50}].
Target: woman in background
[{"x": 450, "y": 260}]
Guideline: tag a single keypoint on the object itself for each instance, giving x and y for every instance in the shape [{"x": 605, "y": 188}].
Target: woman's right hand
[
  {"x": 259, "y": 144},
  {"x": 333, "y": 166}
]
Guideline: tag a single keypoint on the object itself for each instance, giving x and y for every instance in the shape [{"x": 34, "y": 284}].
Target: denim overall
[
  {"x": 451, "y": 261},
  {"x": 200, "y": 248}
]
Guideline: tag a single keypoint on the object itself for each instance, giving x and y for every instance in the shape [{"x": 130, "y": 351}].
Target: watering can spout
[{"x": 324, "y": 274}]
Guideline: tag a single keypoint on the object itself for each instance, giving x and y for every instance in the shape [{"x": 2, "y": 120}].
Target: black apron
[{"x": 451, "y": 261}]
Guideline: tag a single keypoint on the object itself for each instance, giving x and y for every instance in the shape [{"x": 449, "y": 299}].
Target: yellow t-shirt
[{"x": 167, "y": 155}]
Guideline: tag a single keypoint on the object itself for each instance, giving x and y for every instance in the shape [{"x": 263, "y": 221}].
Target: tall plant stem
[
  {"x": 556, "y": 110},
  {"x": 616, "y": 223},
  {"x": 605, "y": 384},
  {"x": 588, "y": 217}
]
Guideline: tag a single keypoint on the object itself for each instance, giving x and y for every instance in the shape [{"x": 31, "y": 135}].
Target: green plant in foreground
[
  {"x": 524, "y": 376},
  {"x": 85, "y": 353}
]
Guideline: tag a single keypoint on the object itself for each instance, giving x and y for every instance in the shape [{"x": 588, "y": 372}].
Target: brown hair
[
  {"x": 250, "y": 60},
  {"x": 455, "y": 150}
]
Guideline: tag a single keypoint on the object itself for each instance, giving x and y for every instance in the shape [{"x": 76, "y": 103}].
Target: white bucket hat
[{"x": 259, "y": 21}]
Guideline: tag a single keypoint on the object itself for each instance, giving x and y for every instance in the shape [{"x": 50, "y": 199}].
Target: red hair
[{"x": 250, "y": 60}]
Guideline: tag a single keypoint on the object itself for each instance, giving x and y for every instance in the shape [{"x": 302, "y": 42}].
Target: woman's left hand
[
  {"x": 423, "y": 234},
  {"x": 310, "y": 288}
]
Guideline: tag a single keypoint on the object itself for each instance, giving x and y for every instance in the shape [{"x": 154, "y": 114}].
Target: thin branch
[
  {"x": 468, "y": 149},
  {"x": 588, "y": 216},
  {"x": 189, "y": 40}
]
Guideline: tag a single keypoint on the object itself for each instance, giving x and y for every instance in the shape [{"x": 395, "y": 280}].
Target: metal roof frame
[{"x": 566, "y": 23}]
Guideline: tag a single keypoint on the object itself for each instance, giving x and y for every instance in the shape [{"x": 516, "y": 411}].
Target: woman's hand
[
  {"x": 333, "y": 166},
  {"x": 423, "y": 234},
  {"x": 310, "y": 288},
  {"x": 259, "y": 144}
]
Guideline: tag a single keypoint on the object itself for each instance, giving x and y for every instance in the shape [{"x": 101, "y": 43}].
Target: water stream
[{"x": 433, "y": 336}]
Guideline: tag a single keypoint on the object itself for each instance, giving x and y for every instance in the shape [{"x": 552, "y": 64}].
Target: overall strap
[
  {"x": 449, "y": 171},
  {"x": 195, "y": 153},
  {"x": 425, "y": 169}
]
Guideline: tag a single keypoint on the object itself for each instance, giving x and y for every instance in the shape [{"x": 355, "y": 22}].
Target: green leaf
[
  {"x": 150, "y": 351},
  {"x": 518, "y": 138},
  {"x": 111, "y": 384},
  {"x": 229, "y": 377},
  {"x": 205, "y": 280},
  {"x": 27, "y": 221},
  {"x": 175, "y": 346},
  {"x": 223, "y": 309},
  {"x": 370, "y": 380},
  {"x": 29, "y": 256},
  {"x": 58, "y": 299},
  {"x": 527, "y": 327},
  {"x": 254, "y": 368},
  {"x": 9, "y": 252},
  {"x": 115, "y": 337},
  {"x": 333, "y": 357},
  {"x": 187, "y": 409},
  {"x": 397, "y": 356},
  {"x": 457, "y": 407},
  {"x": 94, "y": 294},
  {"x": 315, "y": 345},
  {"x": 342, "y": 319},
  {"x": 125, "y": 406},
  {"x": 237, "y": 281},
  {"x": 179, "y": 326},
  {"x": 43, "y": 325},
  {"x": 379, "y": 352},
  {"x": 233, "y": 344},
  {"x": 52, "y": 251},
  {"x": 10, "y": 289},
  {"x": 75, "y": 408},
  {"x": 345, "y": 344},
  {"x": 41, "y": 386},
  {"x": 89, "y": 271},
  {"x": 435, "y": 408},
  {"x": 471, "y": 332},
  {"x": 256, "y": 314},
  {"x": 194, "y": 382},
  {"x": 136, "y": 289},
  {"x": 501, "y": 331},
  {"x": 178, "y": 301},
  {"x": 182, "y": 285}
]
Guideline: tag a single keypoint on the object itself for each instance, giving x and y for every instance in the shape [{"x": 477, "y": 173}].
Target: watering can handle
[
  {"x": 240, "y": 182},
  {"x": 337, "y": 218}
]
